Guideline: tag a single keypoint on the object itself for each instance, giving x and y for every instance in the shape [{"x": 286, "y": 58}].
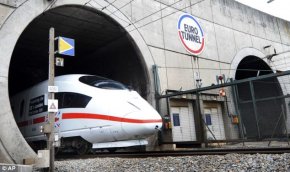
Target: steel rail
[{"x": 208, "y": 151}]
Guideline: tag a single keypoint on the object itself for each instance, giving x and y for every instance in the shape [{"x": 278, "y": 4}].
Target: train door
[
  {"x": 215, "y": 125},
  {"x": 183, "y": 126}
]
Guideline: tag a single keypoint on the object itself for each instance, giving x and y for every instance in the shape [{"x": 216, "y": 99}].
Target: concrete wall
[
  {"x": 11, "y": 139},
  {"x": 229, "y": 27},
  {"x": 232, "y": 28}
]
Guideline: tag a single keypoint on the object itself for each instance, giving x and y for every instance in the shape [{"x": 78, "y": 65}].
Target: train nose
[
  {"x": 152, "y": 125},
  {"x": 141, "y": 124}
]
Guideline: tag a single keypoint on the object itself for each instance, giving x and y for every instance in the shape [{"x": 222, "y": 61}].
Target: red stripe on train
[
  {"x": 107, "y": 117},
  {"x": 22, "y": 123},
  {"x": 38, "y": 120},
  {"x": 30, "y": 122},
  {"x": 89, "y": 116}
]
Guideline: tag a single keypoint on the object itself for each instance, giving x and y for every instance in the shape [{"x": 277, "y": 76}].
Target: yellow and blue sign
[{"x": 66, "y": 46}]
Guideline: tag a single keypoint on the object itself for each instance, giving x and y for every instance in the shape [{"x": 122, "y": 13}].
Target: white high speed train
[{"x": 93, "y": 112}]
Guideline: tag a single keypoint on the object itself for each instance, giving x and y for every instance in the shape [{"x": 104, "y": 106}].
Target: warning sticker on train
[
  {"x": 190, "y": 34},
  {"x": 52, "y": 105},
  {"x": 57, "y": 120}
]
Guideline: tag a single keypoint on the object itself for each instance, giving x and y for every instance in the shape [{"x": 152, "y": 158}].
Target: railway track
[{"x": 211, "y": 151}]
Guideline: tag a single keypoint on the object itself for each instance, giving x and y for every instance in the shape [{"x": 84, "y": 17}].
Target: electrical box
[{"x": 235, "y": 119}]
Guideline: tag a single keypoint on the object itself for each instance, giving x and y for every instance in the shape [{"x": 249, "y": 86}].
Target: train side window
[
  {"x": 72, "y": 100},
  {"x": 69, "y": 99},
  {"x": 109, "y": 85},
  {"x": 59, "y": 97},
  {"x": 21, "y": 108},
  {"x": 102, "y": 83}
]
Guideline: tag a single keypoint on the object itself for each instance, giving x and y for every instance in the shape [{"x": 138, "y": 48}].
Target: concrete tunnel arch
[
  {"x": 267, "y": 111},
  {"x": 247, "y": 63},
  {"x": 14, "y": 38}
]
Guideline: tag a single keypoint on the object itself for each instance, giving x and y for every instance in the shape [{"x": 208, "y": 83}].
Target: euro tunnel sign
[{"x": 66, "y": 46}]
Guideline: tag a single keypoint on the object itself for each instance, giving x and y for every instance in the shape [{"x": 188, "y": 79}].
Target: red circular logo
[{"x": 190, "y": 34}]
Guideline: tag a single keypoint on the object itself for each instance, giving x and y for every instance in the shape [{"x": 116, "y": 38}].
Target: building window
[
  {"x": 176, "y": 120},
  {"x": 208, "y": 119}
]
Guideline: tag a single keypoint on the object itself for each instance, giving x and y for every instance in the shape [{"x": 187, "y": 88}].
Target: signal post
[
  {"x": 51, "y": 115},
  {"x": 65, "y": 47}
]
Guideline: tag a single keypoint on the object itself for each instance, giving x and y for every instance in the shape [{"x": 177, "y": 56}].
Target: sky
[{"x": 278, "y": 8}]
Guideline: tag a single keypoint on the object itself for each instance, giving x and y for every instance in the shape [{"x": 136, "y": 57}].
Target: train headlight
[
  {"x": 157, "y": 128},
  {"x": 45, "y": 129},
  {"x": 41, "y": 129}
]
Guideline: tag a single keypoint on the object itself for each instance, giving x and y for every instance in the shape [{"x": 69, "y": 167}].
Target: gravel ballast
[{"x": 229, "y": 162}]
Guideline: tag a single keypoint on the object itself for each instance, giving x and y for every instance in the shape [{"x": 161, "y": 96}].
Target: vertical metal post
[
  {"x": 201, "y": 122},
  {"x": 285, "y": 122},
  {"x": 255, "y": 107},
  {"x": 237, "y": 107},
  {"x": 51, "y": 115},
  {"x": 156, "y": 87},
  {"x": 277, "y": 123},
  {"x": 157, "y": 99}
]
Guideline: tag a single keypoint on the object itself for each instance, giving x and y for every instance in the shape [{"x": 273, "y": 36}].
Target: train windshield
[{"x": 103, "y": 83}]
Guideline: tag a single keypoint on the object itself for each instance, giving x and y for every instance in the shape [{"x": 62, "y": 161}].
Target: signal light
[{"x": 222, "y": 92}]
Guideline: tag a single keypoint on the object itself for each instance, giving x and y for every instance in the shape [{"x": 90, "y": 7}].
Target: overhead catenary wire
[
  {"x": 50, "y": 5},
  {"x": 110, "y": 3},
  {"x": 165, "y": 16},
  {"x": 246, "y": 70},
  {"x": 143, "y": 18},
  {"x": 283, "y": 60},
  {"x": 273, "y": 65},
  {"x": 167, "y": 6},
  {"x": 280, "y": 59},
  {"x": 88, "y": 3},
  {"x": 279, "y": 64},
  {"x": 201, "y": 68},
  {"x": 3, "y": 22},
  {"x": 106, "y": 7},
  {"x": 249, "y": 62},
  {"x": 53, "y": 2},
  {"x": 155, "y": 12},
  {"x": 276, "y": 54},
  {"x": 118, "y": 9},
  {"x": 176, "y": 12}
]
